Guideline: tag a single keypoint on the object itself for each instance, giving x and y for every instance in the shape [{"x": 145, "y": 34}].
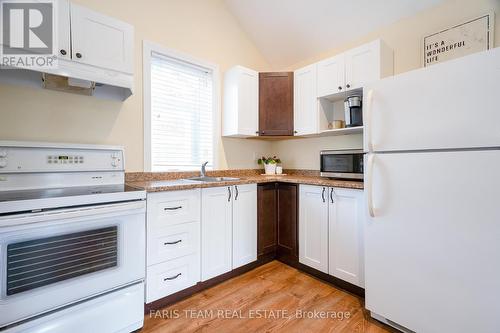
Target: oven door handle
[{"x": 115, "y": 209}]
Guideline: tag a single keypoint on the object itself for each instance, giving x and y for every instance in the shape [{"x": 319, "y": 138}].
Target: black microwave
[{"x": 343, "y": 164}]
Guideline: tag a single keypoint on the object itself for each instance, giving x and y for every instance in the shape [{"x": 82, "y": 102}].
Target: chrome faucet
[{"x": 203, "y": 171}]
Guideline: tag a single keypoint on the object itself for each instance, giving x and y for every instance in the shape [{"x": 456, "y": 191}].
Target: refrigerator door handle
[
  {"x": 368, "y": 115},
  {"x": 369, "y": 185}
]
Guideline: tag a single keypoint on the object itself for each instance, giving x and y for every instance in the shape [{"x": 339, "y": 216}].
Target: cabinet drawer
[
  {"x": 172, "y": 276},
  {"x": 171, "y": 208},
  {"x": 173, "y": 242}
]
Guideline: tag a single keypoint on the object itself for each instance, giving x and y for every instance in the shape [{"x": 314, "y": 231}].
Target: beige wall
[
  {"x": 405, "y": 38},
  {"x": 204, "y": 29},
  {"x": 201, "y": 28}
]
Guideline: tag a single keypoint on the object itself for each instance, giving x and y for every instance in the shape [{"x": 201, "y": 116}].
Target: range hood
[
  {"x": 73, "y": 77},
  {"x": 68, "y": 84}
]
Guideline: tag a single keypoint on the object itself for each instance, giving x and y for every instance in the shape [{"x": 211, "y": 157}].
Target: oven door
[
  {"x": 342, "y": 164},
  {"x": 55, "y": 258}
]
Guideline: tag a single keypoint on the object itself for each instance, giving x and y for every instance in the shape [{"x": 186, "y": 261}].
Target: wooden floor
[{"x": 276, "y": 293}]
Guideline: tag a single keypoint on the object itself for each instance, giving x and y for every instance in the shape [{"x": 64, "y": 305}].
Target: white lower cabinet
[
  {"x": 216, "y": 231},
  {"x": 244, "y": 225},
  {"x": 313, "y": 227},
  {"x": 172, "y": 276},
  {"x": 331, "y": 231},
  {"x": 196, "y": 235},
  {"x": 173, "y": 242},
  {"x": 345, "y": 246},
  {"x": 228, "y": 229}
]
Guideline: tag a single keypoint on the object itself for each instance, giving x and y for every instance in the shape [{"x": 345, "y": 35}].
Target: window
[{"x": 179, "y": 111}]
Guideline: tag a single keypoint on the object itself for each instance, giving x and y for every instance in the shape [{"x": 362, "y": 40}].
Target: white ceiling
[{"x": 289, "y": 31}]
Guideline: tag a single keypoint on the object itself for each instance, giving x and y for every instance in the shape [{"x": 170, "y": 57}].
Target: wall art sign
[{"x": 469, "y": 37}]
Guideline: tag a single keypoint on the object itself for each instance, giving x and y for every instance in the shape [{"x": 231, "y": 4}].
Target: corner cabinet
[
  {"x": 288, "y": 244},
  {"x": 355, "y": 68},
  {"x": 228, "y": 228},
  {"x": 241, "y": 98},
  {"x": 331, "y": 231},
  {"x": 276, "y": 104},
  {"x": 267, "y": 209}
]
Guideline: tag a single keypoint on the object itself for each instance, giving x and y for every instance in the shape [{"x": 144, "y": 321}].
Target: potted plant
[{"x": 269, "y": 164}]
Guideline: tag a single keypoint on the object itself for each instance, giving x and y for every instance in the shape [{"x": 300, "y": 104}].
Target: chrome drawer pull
[
  {"x": 172, "y": 243},
  {"x": 172, "y": 277},
  {"x": 172, "y": 208}
]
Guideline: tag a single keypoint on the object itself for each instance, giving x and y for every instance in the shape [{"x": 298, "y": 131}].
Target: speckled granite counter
[{"x": 172, "y": 181}]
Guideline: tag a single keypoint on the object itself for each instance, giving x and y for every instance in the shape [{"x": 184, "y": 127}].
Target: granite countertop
[{"x": 173, "y": 182}]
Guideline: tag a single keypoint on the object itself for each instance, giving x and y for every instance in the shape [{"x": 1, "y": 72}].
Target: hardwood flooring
[{"x": 271, "y": 298}]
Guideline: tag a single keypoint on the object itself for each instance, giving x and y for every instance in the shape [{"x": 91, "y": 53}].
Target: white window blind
[{"x": 181, "y": 114}]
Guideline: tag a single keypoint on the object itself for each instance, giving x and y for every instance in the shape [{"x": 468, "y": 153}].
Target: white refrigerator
[{"x": 432, "y": 182}]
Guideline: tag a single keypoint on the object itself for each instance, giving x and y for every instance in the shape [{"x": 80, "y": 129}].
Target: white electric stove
[{"x": 72, "y": 240}]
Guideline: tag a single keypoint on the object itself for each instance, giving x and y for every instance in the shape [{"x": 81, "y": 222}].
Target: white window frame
[{"x": 148, "y": 48}]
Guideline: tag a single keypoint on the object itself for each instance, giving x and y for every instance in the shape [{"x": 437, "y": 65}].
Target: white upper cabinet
[
  {"x": 241, "y": 102},
  {"x": 313, "y": 227},
  {"x": 305, "y": 109},
  {"x": 354, "y": 68},
  {"x": 331, "y": 76},
  {"x": 100, "y": 40},
  {"x": 346, "y": 235},
  {"x": 244, "y": 224},
  {"x": 367, "y": 63},
  {"x": 63, "y": 30}
]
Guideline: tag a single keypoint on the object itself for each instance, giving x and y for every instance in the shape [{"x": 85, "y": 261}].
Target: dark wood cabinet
[
  {"x": 277, "y": 221},
  {"x": 287, "y": 220},
  {"x": 276, "y": 104},
  {"x": 266, "y": 219}
]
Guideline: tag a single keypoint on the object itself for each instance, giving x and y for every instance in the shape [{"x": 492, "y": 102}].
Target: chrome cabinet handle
[
  {"x": 172, "y": 208},
  {"x": 331, "y": 196},
  {"x": 323, "y": 194},
  {"x": 173, "y": 243},
  {"x": 172, "y": 277},
  {"x": 236, "y": 189},
  {"x": 229, "y": 193}
]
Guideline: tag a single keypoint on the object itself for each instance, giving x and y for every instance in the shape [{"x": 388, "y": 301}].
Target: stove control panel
[
  {"x": 3, "y": 158},
  {"x": 53, "y": 158},
  {"x": 65, "y": 159}
]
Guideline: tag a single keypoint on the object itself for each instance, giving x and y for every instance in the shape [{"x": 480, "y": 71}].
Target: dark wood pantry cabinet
[
  {"x": 266, "y": 219},
  {"x": 276, "y": 104},
  {"x": 277, "y": 221},
  {"x": 288, "y": 241}
]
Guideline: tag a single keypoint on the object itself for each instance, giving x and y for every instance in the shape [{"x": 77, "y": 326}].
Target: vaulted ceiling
[{"x": 289, "y": 31}]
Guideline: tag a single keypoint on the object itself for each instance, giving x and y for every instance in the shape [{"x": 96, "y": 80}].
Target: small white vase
[{"x": 270, "y": 168}]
